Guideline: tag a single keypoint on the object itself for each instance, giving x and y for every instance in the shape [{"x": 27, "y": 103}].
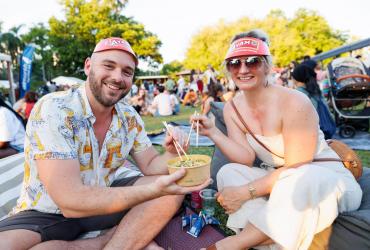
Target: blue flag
[{"x": 25, "y": 70}]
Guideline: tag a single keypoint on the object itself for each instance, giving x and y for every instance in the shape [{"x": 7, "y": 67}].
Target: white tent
[
  {"x": 5, "y": 84},
  {"x": 67, "y": 80}
]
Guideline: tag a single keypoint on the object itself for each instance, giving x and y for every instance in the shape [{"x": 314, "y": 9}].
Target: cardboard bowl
[{"x": 194, "y": 175}]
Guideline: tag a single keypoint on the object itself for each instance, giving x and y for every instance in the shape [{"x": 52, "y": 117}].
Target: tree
[
  {"x": 171, "y": 68},
  {"x": 313, "y": 34},
  {"x": 290, "y": 39},
  {"x": 12, "y": 44},
  {"x": 87, "y": 22},
  {"x": 39, "y": 35}
]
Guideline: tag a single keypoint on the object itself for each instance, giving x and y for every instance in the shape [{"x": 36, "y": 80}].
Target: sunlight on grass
[{"x": 155, "y": 123}]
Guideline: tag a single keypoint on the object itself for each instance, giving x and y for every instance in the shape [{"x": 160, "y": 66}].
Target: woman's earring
[{"x": 266, "y": 84}]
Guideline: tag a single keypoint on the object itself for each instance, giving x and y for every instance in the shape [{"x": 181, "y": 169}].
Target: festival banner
[{"x": 25, "y": 70}]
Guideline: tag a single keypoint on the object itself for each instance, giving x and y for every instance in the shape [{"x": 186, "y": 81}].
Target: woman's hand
[
  {"x": 232, "y": 198},
  {"x": 206, "y": 126},
  {"x": 175, "y": 134}
]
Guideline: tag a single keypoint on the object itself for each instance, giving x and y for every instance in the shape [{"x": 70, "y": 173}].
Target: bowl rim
[{"x": 203, "y": 165}]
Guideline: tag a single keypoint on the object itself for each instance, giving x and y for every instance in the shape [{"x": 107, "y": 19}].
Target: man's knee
[{"x": 19, "y": 239}]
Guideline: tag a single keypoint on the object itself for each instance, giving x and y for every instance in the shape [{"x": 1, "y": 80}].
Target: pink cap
[
  {"x": 247, "y": 46},
  {"x": 115, "y": 43}
]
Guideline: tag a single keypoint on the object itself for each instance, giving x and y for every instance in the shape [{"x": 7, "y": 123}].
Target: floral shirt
[{"x": 61, "y": 127}]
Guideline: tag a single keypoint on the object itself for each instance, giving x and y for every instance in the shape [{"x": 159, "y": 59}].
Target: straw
[{"x": 175, "y": 142}]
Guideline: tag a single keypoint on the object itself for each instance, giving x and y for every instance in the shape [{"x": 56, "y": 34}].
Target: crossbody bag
[{"x": 347, "y": 156}]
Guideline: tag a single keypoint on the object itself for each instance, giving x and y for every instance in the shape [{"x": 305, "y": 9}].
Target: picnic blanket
[
  {"x": 11, "y": 176},
  {"x": 203, "y": 141}
]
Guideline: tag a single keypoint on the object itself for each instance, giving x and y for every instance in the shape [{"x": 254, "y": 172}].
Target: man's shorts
[{"x": 57, "y": 227}]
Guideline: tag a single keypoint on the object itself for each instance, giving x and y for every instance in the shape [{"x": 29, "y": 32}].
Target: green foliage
[
  {"x": 12, "y": 44},
  {"x": 87, "y": 22},
  {"x": 43, "y": 65},
  {"x": 312, "y": 34},
  {"x": 171, "y": 68},
  {"x": 307, "y": 33},
  {"x": 209, "y": 46}
]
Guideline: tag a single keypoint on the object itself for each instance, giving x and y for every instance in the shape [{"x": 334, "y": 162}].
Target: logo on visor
[
  {"x": 116, "y": 42},
  {"x": 246, "y": 43}
]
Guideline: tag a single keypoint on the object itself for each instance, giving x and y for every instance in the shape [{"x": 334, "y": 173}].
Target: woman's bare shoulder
[
  {"x": 292, "y": 97},
  {"x": 296, "y": 105}
]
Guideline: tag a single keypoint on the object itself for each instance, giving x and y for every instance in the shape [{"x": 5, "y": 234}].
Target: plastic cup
[{"x": 208, "y": 201}]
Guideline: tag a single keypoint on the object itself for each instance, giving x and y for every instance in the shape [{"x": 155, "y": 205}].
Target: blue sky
[{"x": 175, "y": 21}]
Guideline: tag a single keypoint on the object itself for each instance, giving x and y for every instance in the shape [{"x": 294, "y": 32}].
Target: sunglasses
[{"x": 252, "y": 62}]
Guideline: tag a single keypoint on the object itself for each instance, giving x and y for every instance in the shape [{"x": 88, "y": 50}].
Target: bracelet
[{"x": 252, "y": 191}]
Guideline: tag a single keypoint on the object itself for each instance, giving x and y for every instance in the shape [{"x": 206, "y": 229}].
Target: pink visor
[
  {"x": 115, "y": 43},
  {"x": 247, "y": 46}
]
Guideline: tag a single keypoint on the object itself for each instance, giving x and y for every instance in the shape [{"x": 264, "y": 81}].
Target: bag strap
[
  {"x": 250, "y": 132},
  {"x": 329, "y": 159},
  {"x": 265, "y": 147}
]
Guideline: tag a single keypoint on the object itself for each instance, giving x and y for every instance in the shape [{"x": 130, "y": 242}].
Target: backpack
[{"x": 327, "y": 123}]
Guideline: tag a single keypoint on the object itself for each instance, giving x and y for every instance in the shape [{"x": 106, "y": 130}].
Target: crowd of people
[
  {"x": 200, "y": 89},
  {"x": 13, "y": 118},
  {"x": 77, "y": 141}
]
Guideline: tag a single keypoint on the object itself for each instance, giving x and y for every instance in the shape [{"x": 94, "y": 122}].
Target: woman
[
  {"x": 287, "y": 200},
  {"x": 214, "y": 94},
  {"x": 11, "y": 131},
  {"x": 30, "y": 99},
  {"x": 304, "y": 79},
  {"x": 139, "y": 102}
]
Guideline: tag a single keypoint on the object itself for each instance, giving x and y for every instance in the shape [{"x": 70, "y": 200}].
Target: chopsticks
[
  {"x": 178, "y": 147},
  {"x": 191, "y": 128}
]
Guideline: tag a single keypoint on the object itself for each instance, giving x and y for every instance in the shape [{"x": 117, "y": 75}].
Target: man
[
  {"x": 180, "y": 86},
  {"x": 170, "y": 85},
  {"x": 11, "y": 131},
  {"x": 162, "y": 104},
  {"x": 190, "y": 98},
  {"x": 74, "y": 181}
]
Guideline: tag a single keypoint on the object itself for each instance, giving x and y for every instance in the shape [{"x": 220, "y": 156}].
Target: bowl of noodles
[{"x": 198, "y": 169}]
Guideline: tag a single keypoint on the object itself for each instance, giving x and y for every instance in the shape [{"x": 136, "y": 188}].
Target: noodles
[{"x": 189, "y": 163}]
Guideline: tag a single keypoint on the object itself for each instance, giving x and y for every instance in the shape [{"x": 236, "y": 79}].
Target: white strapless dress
[{"x": 304, "y": 200}]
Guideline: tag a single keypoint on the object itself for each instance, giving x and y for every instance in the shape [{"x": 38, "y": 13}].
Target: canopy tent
[
  {"x": 156, "y": 79},
  {"x": 343, "y": 49},
  {"x": 184, "y": 73},
  {"x": 67, "y": 80},
  {"x": 5, "y": 84}
]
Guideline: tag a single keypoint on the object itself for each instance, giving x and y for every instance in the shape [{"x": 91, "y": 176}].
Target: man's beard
[{"x": 96, "y": 89}]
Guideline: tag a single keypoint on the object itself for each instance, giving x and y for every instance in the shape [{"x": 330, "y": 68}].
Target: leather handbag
[{"x": 347, "y": 156}]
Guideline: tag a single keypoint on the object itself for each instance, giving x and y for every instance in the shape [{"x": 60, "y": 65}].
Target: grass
[
  {"x": 155, "y": 124},
  {"x": 365, "y": 157}
]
